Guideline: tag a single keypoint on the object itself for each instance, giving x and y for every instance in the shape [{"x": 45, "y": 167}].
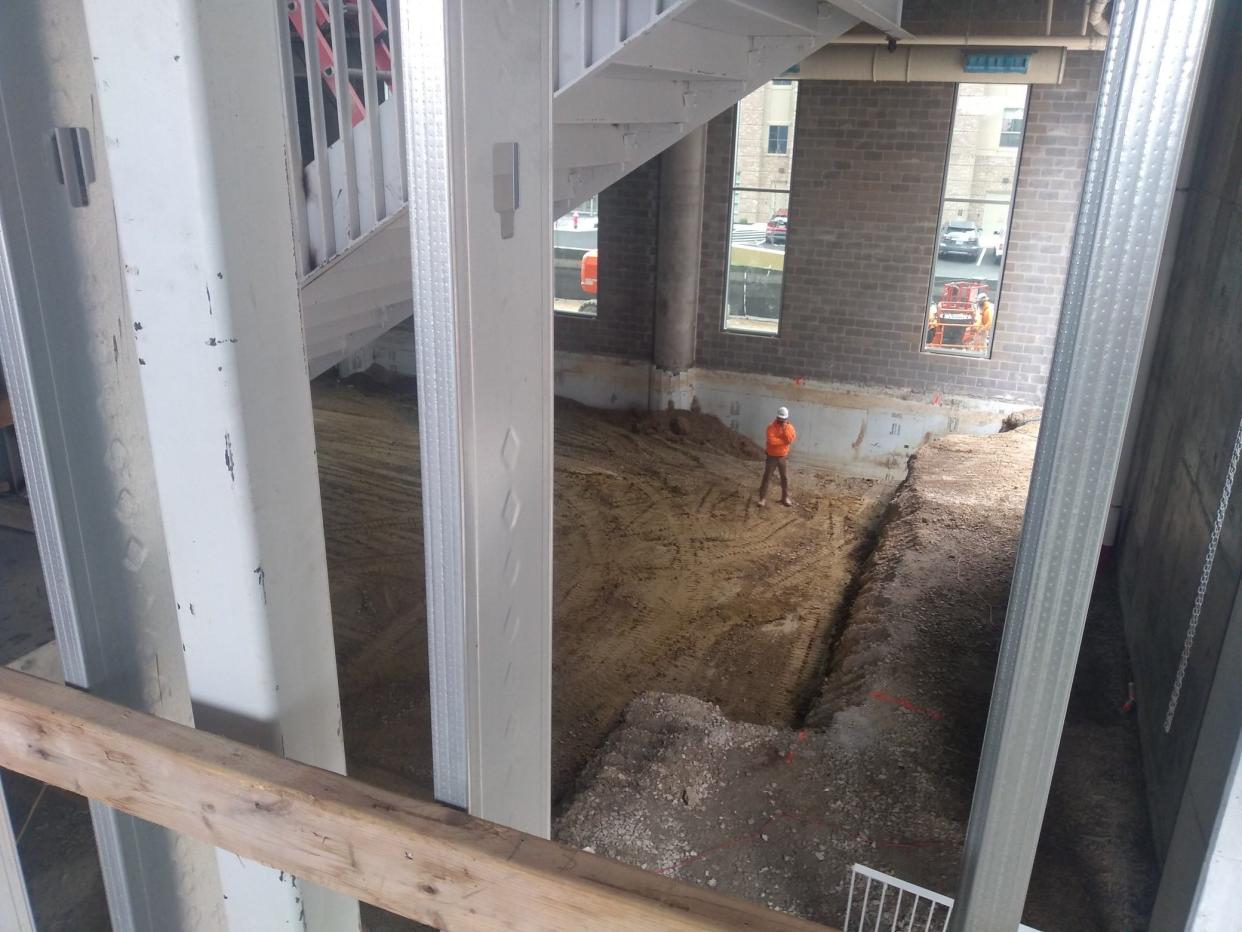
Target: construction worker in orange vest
[{"x": 781, "y": 435}]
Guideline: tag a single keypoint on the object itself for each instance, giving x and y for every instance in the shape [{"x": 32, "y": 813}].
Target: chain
[{"x": 1208, "y": 560}]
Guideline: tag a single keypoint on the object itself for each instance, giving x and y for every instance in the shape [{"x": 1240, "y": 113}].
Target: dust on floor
[
  {"x": 884, "y": 770},
  {"x": 667, "y": 576}
]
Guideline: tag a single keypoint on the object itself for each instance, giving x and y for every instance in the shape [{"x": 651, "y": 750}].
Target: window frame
[
  {"x": 924, "y": 348},
  {"x": 734, "y": 187},
  {"x": 1020, "y": 132},
  {"x": 579, "y": 314},
  {"x": 782, "y": 131}
]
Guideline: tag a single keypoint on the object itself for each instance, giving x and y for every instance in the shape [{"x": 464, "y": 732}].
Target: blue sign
[{"x": 997, "y": 62}]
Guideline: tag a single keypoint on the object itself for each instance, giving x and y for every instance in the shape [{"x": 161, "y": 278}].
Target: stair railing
[{"x": 341, "y": 62}]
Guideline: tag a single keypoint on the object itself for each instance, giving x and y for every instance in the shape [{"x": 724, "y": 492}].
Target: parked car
[
  {"x": 777, "y": 225},
  {"x": 960, "y": 237},
  {"x": 998, "y": 246}
]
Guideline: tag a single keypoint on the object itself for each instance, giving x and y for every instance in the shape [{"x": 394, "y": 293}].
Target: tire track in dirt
[
  {"x": 698, "y": 592},
  {"x": 666, "y": 576}
]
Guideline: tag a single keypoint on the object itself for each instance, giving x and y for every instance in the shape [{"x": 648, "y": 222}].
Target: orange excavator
[
  {"x": 962, "y": 318},
  {"x": 588, "y": 280}
]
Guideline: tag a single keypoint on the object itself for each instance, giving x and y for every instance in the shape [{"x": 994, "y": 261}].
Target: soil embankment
[
  {"x": 667, "y": 575},
  {"x": 884, "y": 770}
]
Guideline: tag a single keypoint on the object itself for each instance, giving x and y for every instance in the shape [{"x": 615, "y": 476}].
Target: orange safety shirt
[{"x": 780, "y": 438}]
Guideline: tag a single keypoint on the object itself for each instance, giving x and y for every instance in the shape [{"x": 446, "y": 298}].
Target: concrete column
[
  {"x": 193, "y": 113},
  {"x": 682, "y": 172}
]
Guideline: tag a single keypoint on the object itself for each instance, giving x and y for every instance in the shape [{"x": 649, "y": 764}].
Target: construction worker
[
  {"x": 781, "y": 435},
  {"x": 977, "y": 336}
]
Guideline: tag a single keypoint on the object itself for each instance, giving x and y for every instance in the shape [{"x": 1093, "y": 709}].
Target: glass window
[
  {"x": 980, "y": 176},
  {"x": 759, "y": 219},
  {"x": 778, "y": 140},
  {"x": 575, "y": 250},
  {"x": 1011, "y": 127}
]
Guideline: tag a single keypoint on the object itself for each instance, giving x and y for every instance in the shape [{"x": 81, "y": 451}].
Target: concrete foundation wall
[
  {"x": 1186, "y": 432},
  {"x": 866, "y": 185},
  {"x": 849, "y": 427},
  {"x": 861, "y": 432}
]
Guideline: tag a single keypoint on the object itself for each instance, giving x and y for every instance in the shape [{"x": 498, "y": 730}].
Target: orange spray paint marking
[{"x": 907, "y": 705}]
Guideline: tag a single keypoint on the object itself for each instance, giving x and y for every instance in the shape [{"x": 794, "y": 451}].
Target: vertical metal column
[
  {"x": 478, "y": 121},
  {"x": 15, "y": 915},
  {"x": 72, "y": 370},
  {"x": 191, "y": 100},
  {"x": 1150, "y": 72}
]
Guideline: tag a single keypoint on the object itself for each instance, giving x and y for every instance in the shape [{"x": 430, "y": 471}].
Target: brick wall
[
  {"x": 868, "y": 169},
  {"x": 628, "y": 232}
]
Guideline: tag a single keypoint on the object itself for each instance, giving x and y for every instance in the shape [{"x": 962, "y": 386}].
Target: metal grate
[{"x": 879, "y": 902}]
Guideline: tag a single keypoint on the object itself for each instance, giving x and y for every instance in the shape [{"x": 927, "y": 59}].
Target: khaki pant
[{"x": 777, "y": 463}]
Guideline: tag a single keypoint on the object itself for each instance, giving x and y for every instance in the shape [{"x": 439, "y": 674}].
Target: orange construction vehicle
[
  {"x": 962, "y": 318},
  {"x": 588, "y": 278}
]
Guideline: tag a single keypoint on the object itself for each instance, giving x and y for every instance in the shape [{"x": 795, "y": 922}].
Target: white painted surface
[
  {"x": 72, "y": 375},
  {"x": 358, "y": 295},
  {"x": 15, "y": 915},
  {"x": 1219, "y": 903},
  {"x": 627, "y": 88},
  {"x": 206, "y": 234},
  {"x": 479, "y": 80}
]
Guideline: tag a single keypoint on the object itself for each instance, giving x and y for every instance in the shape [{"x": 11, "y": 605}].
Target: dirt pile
[
  {"x": 771, "y": 814},
  {"x": 692, "y": 428},
  {"x": 885, "y": 770}
]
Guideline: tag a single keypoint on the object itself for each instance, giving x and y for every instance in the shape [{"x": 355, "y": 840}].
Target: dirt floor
[
  {"x": 883, "y": 771},
  {"x": 693, "y": 730},
  {"x": 667, "y": 576}
]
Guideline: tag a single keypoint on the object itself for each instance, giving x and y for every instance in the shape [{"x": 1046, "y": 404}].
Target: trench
[{"x": 667, "y": 576}]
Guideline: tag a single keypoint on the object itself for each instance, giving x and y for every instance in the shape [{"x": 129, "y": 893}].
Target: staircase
[{"x": 632, "y": 77}]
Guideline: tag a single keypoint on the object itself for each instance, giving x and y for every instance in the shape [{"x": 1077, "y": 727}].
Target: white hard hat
[{"x": 782, "y": 412}]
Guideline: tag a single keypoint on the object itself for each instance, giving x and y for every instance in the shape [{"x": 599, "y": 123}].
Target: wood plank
[
  {"x": 6, "y": 412},
  {"x": 421, "y": 860}
]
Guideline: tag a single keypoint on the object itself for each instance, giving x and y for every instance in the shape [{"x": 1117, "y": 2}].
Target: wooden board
[
  {"x": 6, "y": 413},
  {"x": 424, "y": 861}
]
